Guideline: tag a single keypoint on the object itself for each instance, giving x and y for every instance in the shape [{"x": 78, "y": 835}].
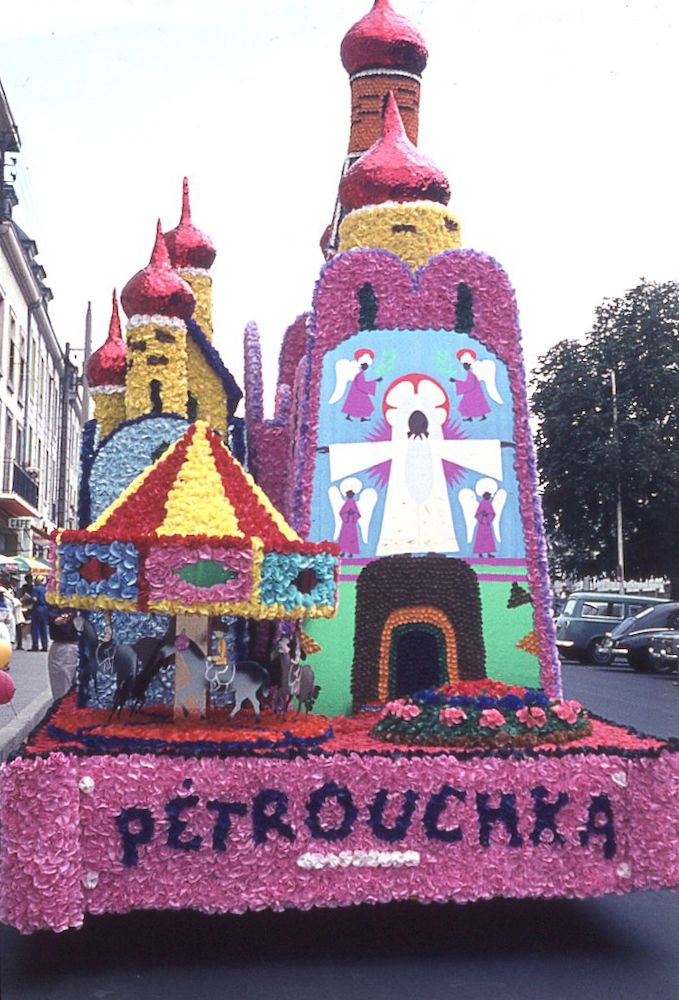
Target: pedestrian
[
  {"x": 7, "y": 607},
  {"x": 26, "y": 598},
  {"x": 19, "y": 614},
  {"x": 39, "y": 615},
  {"x": 62, "y": 659}
]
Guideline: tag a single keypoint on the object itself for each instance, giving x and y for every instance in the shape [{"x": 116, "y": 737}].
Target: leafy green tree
[{"x": 579, "y": 455}]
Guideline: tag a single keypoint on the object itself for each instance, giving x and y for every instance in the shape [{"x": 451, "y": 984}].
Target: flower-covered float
[{"x": 441, "y": 760}]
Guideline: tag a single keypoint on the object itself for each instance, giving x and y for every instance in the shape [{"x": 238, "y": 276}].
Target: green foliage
[{"x": 637, "y": 336}]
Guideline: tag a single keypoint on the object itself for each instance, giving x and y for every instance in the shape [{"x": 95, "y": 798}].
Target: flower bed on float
[{"x": 481, "y": 713}]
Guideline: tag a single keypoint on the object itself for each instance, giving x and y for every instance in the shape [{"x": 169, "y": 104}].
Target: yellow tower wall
[
  {"x": 207, "y": 389},
  {"x": 156, "y": 348},
  {"x": 414, "y": 231},
  {"x": 109, "y": 407},
  {"x": 201, "y": 286}
]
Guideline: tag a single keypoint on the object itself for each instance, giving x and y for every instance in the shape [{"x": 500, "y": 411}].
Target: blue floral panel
[
  {"x": 298, "y": 580},
  {"x": 90, "y": 569}
]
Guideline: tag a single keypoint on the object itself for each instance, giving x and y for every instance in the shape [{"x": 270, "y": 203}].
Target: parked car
[
  {"x": 663, "y": 650},
  {"x": 632, "y": 638},
  {"x": 588, "y": 617}
]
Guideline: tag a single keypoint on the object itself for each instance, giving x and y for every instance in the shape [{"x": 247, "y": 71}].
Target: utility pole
[
  {"x": 63, "y": 466},
  {"x": 618, "y": 486},
  {"x": 88, "y": 351}
]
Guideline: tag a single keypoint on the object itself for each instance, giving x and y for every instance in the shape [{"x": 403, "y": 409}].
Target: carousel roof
[{"x": 195, "y": 534}]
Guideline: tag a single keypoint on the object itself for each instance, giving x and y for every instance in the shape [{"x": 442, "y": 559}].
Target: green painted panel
[{"x": 503, "y": 627}]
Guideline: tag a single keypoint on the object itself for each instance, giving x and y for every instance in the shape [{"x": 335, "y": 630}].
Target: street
[{"x": 615, "y": 947}]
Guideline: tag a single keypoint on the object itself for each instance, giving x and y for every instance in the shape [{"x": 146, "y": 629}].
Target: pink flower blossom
[
  {"x": 567, "y": 711},
  {"x": 401, "y": 709},
  {"x": 532, "y": 716},
  {"x": 491, "y": 718},
  {"x": 452, "y": 716}
]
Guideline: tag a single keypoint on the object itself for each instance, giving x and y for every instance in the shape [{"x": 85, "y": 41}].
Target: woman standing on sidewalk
[{"x": 62, "y": 658}]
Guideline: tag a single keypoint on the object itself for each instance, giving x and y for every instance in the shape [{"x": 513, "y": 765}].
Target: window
[
  {"x": 11, "y": 363},
  {"x": 594, "y": 609},
  {"x": 9, "y": 437},
  {"x": 18, "y": 456},
  {"x": 634, "y": 609},
  {"x": 617, "y": 610},
  {"x": 2, "y": 325},
  {"x": 569, "y": 607}
]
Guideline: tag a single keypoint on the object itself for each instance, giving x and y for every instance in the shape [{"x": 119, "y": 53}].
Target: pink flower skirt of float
[{"x": 103, "y": 818}]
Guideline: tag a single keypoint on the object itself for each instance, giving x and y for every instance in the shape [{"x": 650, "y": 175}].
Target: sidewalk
[{"x": 32, "y": 699}]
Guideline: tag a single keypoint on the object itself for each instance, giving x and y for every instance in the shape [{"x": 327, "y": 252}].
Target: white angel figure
[
  {"x": 471, "y": 388},
  {"x": 482, "y": 509},
  {"x": 352, "y": 370},
  {"x": 417, "y": 512},
  {"x": 352, "y": 506}
]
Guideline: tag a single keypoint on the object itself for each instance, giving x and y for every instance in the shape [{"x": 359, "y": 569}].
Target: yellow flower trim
[
  {"x": 98, "y": 602},
  {"x": 390, "y": 227},
  {"x": 141, "y": 370},
  {"x": 196, "y": 504},
  {"x": 201, "y": 286}
]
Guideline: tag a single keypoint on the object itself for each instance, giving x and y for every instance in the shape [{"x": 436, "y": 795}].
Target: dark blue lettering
[
  {"x": 600, "y": 806},
  {"x": 222, "y": 827},
  {"x": 263, "y": 821},
  {"x": 505, "y": 813},
  {"x": 173, "y": 810},
  {"x": 317, "y": 800},
  {"x": 131, "y": 840},
  {"x": 545, "y": 815},
  {"x": 435, "y": 809},
  {"x": 402, "y": 824}
]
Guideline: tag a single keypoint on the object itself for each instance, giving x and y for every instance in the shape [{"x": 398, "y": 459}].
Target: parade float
[{"x": 385, "y": 523}]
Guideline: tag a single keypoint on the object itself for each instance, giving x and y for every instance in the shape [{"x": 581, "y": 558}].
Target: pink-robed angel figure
[
  {"x": 359, "y": 402},
  {"x": 471, "y": 388}
]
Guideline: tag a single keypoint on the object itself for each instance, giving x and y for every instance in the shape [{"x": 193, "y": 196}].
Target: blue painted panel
[{"x": 412, "y": 448}]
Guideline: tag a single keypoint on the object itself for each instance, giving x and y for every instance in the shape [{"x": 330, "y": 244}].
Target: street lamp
[{"x": 618, "y": 487}]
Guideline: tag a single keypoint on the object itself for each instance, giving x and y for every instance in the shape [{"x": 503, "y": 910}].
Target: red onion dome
[
  {"x": 383, "y": 39},
  {"x": 187, "y": 246},
  {"x": 392, "y": 170},
  {"x": 108, "y": 363},
  {"x": 158, "y": 289}
]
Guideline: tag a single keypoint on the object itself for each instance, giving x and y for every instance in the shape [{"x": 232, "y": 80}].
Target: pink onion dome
[
  {"x": 158, "y": 289},
  {"x": 188, "y": 246},
  {"x": 107, "y": 365},
  {"x": 393, "y": 169},
  {"x": 383, "y": 39}
]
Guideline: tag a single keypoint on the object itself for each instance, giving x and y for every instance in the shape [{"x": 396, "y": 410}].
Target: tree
[{"x": 579, "y": 457}]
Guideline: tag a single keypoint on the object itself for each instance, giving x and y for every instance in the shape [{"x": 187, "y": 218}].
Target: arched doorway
[{"x": 417, "y": 650}]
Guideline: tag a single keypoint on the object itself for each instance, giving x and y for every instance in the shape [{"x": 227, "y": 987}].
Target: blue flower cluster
[
  {"x": 532, "y": 698},
  {"x": 122, "y": 557},
  {"x": 126, "y": 452},
  {"x": 281, "y": 574}
]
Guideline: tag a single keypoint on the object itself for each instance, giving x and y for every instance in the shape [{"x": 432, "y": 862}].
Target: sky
[{"x": 554, "y": 121}]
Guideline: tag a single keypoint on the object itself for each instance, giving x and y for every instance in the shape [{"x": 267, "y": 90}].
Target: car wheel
[
  {"x": 661, "y": 665},
  {"x": 639, "y": 660},
  {"x": 596, "y": 653}
]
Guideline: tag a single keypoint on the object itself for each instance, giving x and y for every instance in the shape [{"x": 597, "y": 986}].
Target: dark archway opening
[{"x": 417, "y": 659}]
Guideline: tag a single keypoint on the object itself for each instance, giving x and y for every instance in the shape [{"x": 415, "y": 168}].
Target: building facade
[{"x": 40, "y": 402}]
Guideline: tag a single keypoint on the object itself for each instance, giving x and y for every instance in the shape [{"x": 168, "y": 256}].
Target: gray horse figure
[
  {"x": 243, "y": 680},
  {"x": 134, "y": 664},
  {"x": 297, "y": 679}
]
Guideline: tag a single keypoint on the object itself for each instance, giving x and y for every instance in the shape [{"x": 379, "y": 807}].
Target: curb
[{"x": 15, "y": 732}]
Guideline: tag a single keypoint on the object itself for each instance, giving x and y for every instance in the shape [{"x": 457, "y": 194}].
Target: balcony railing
[{"x": 16, "y": 480}]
